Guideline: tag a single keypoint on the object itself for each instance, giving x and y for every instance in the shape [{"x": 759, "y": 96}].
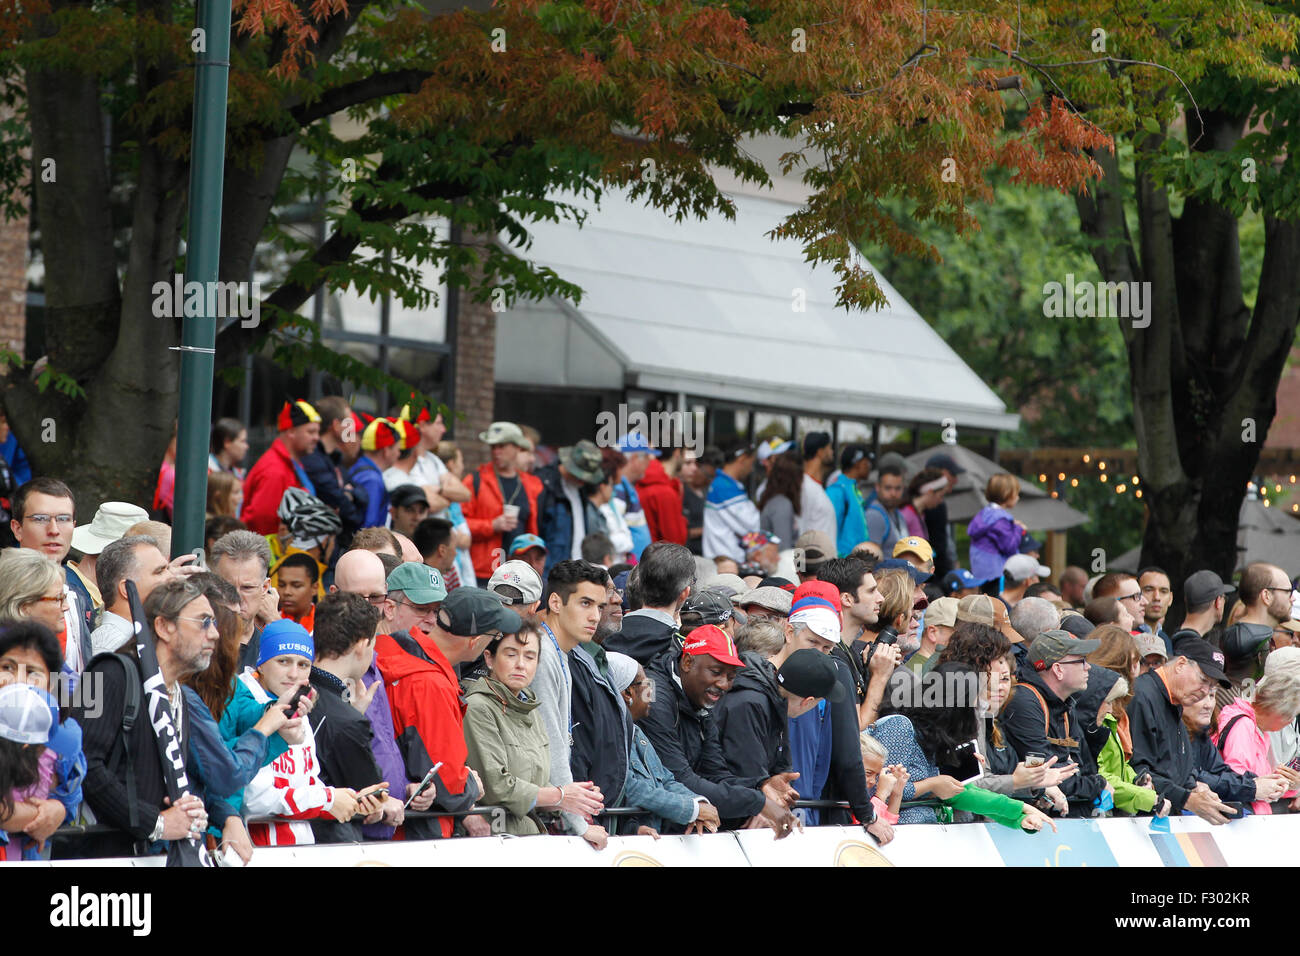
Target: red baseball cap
[{"x": 713, "y": 641}]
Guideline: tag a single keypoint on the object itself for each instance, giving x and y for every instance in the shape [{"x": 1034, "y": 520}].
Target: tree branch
[{"x": 372, "y": 87}]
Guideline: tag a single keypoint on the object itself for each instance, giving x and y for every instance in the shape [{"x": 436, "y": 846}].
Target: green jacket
[
  {"x": 506, "y": 743},
  {"x": 996, "y": 806},
  {"x": 1111, "y": 764}
]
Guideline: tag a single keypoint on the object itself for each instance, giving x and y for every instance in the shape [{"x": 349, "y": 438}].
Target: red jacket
[
  {"x": 269, "y": 478},
  {"x": 485, "y": 504},
  {"x": 661, "y": 500},
  {"x": 424, "y": 696}
]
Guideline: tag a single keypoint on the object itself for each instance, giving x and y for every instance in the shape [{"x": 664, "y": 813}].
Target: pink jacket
[{"x": 1246, "y": 747}]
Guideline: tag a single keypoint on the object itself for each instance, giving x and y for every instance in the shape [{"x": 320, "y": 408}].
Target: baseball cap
[
  {"x": 503, "y": 433},
  {"x": 1023, "y": 566},
  {"x": 714, "y": 642},
  {"x": 635, "y": 443},
  {"x": 853, "y": 453},
  {"x": 959, "y": 579},
  {"x": 809, "y": 673},
  {"x": 1209, "y": 658},
  {"x": 914, "y": 545},
  {"x": 946, "y": 462},
  {"x": 1075, "y": 623},
  {"x": 1029, "y": 543},
  {"x": 816, "y": 547},
  {"x": 419, "y": 582},
  {"x": 1202, "y": 587},
  {"x": 816, "y": 605},
  {"x": 711, "y": 606},
  {"x": 583, "y": 461},
  {"x": 773, "y": 599},
  {"x": 517, "y": 574},
  {"x": 813, "y": 442},
  {"x": 523, "y": 542},
  {"x": 1148, "y": 643},
  {"x": 902, "y": 564},
  {"x": 405, "y": 496},
  {"x": 25, "y": 715},
  {"x": 469, "y": 612},
  {"x": 1050, "y": 646},
  {"x": 942, "y": 612},
  {"x": 774, "y": 446},
  {"x": 775, "y": 582}
]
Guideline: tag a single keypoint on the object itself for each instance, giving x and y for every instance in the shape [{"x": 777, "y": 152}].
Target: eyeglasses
[
  {"x": 1081, "y": 660},
  {"x": 204, "y": 622},
  {"x": 376, "y": 599},
  {"x": 424, "y": 610},
  {"x": 43, "y": 521},
  {"x": 62, "y": 599},
  {"x": 1129, "y": 597},
  {"x": 921, "y": 605},
  {"x": 1283, "y": 590}
]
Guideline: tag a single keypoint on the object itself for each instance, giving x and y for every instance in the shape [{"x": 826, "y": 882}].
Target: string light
[
  {"x": 1054, "y": 494},
  {"x": 1087, "y": 459},
  {"x": 1135, "y": 481},
  {"x": 1266, "y": 502},
  {"x": 1074, "y": 482},
  {"x": 1042, "y": 478},
  {"x": 1061, "y": 477},
  {"x": 1120, "y": 489},
  {"x": 1138, "y": 493},
  {"x": 1103, "y": 477},
  {"x": 1293, "y": 479},
  {"x": 1278, "y": 489},
  {"x": 1101, "y": 465}
]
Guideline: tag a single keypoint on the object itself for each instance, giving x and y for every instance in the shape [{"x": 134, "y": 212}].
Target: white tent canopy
[{"x": 708, "y": 309}]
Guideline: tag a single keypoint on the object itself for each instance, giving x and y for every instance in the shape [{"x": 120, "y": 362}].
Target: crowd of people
[{"x": 378, "y": 644}]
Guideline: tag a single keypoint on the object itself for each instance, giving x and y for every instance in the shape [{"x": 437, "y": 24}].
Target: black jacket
[
  {"x": 344, "y": 739},
  {"x": 754, "y": 723},
  {"x": 326, "y": 475},
  {"x": 107, "y": 788},
  {"x": 1210, "y": 768},
  {"x": 686, "y": 741},
  {"x": 602, "y": 729},
  {"x": 847, "y": 780},
  {"x": 1022, "y": 723},
  {"x": 1086, "y": 704},
  {"x": 1161, "y": 745},
  {"x": 641, "y": 638}
]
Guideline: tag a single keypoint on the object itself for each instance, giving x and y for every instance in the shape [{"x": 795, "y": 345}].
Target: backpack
[
  {"x": 1067, "y": 741},
  {"x": 121, "y": 754},
  {"x": 1223, "y": 734}
]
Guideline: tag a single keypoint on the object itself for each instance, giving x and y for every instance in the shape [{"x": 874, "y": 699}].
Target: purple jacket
[
  {"x": 387, "y": 756},
  {"x": 994, "y": 537}
]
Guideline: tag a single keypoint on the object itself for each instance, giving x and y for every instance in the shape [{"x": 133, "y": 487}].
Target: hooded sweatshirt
[
  {"x": 1105, "y": 743},
  {"x": 661, "y": 500},
  {"x": 753, "y": 721},
  {"x": 507, "y": 744},
  {"x": 994, "y": 537}
]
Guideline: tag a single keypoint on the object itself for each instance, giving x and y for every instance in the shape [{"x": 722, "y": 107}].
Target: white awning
[{"x": 708, "y": 308}]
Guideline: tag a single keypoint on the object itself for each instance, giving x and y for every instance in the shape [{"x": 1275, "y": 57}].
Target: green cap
[
  {"x": 1050, "y": 646},
  {"x": 469, "y": 612},
  {"x": 419, "y": 582}
]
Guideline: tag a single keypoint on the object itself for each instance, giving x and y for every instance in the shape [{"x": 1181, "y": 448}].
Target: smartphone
[
  {"x": 1035, "y": 760},
  {"x": 381, "y": 792},
  {"x": 426, "y": 783},
  {"x": 291, "y": 707},
  {"x": 966, "y": 766}
]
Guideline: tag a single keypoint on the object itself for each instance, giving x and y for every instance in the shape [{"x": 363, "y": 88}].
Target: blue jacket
[
  {"x": 225, "y": 770},
  {"x": 324, "y": 472},
  {"x": 365, "y": 474},
  {"x": 16, "y": 459},
  {"x": 850, "y": 520},
  {"x": 652, "y": 787},
  {"x": 69, "y": 772},
  {"x": 554, "y": 517},
  {"x": 810, "y": 755}
]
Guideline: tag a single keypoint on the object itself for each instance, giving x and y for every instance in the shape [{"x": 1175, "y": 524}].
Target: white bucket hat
[{"x": 110, "y": 524}]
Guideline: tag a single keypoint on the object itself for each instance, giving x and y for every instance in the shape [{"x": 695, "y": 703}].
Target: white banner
[{"x": 1184, "y": 841}]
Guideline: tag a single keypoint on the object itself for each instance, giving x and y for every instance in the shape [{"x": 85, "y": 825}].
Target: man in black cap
[
  {"x": 1205, "y": 597},
  {"x": 408, "y": 505},
  {"x": 938, "y": 530},
  {"x": 1162, "y": 748},
  {"x": 753, "y": 718},
  {"x": 708, "y": 606},
  {"x": 1266, "y": 593},
  {"x": 1039, "y": 717}
]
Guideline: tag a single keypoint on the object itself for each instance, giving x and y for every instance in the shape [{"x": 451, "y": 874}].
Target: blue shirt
[{"x": 366, "y": 474}]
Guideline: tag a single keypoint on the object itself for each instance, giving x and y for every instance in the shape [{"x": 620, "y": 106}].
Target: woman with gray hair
[
  {"x": 761, "y": 636},
  {"x": 31, "y": 589},
  {"x": 1243, "y": 729}
]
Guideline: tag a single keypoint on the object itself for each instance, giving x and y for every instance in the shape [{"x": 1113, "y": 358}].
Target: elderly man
[
  {"x": 243, "y": 560},
  {"x": 135, "y": 559},
  {"x": 1162, "y": 748}
]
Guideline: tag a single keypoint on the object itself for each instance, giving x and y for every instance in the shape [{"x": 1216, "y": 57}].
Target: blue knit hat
[{"x": 285, "y": 637}]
